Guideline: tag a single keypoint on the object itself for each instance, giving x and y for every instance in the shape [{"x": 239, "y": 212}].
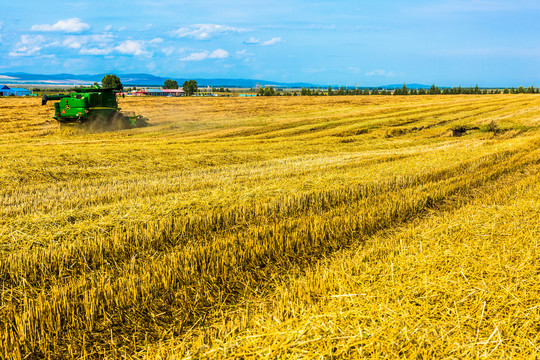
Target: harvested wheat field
[{"x": 282, "y": 227}]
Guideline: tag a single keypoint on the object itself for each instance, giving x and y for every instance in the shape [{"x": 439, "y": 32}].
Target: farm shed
[
  {"x": 6, "y": 91},
  {"x": 165, "y": 92},
  {"x": 173, "y": 92},
  {"x": 139, "y": 93},
  {"x": 155, "y": 92}
]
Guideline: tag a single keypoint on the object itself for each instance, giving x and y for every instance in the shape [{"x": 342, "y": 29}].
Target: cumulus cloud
[
  {"x": 255, "y": 41},
  {"x": 28, "y": 45},
  {"x": 168, "y": 51},
  {"x": 204, "y": 31},
  {"x": 95, "y": 51},
  {"x": 196, "y": 56},
  {"x": 132, "y": 47},
  {"x": 74, "y": 25},
  {"x": 72, "y": 43},
  {"x": 156, "y": 41},
  {"x": 272, "y": 41},
  {"x": 252, "y": 41},
  {"x": 203, "y": 55},
  {"x": 380, "y": 73},
  {"x": 78, "y": 41},
  {"x": 219, "y": 54}
]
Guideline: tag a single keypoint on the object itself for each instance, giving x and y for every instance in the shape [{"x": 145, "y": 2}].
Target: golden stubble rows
[{"x": 253, "y": 226}]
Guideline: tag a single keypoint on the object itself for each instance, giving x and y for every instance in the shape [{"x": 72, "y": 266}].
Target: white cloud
[
  {"x": 72, "y": 42},
  {"x": 219, "y": 54},
  {"x": 147, "y": 27},
  {"x": 380, "y": 73},
  {"x": 168, "y": 51},
  {"x": 204, "y": 31},
  {"x": 5, "y": 77},
  {"x": 78, "y": 41},
  {"x": 95, "y": 51},
  {"x": 74, "y": 25},
  {"x": 132, "y": 47},
  {"x": 272, "y": 41},
  {"x": 243, "y": 53},
  {"x": 196, "y": 56},
  {"x": 203, "y": 55},
  {"x": 156, "y": 41},
  {"x": 255, "y": 41},
  {"x": 252, "y": 41},
  {"x": 108, "y": 28},
  {"x": 28, "y": 45}
]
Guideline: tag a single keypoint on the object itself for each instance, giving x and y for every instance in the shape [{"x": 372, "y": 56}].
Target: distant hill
[
  {"x": 142, "y": 79},
  {"x": 136, "y": 79},
  {"x": 409, "y": 86}
]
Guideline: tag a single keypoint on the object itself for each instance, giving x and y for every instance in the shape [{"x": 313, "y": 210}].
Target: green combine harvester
[{"x": 93, "y": 105}]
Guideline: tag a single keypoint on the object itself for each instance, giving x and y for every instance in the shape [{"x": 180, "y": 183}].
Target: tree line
[
  {"x": 433, "y": 90},
  {"x": 190, "y": 87}
]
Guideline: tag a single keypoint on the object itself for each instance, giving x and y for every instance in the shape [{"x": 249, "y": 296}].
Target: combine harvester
[{"x": 93, "y": 106}]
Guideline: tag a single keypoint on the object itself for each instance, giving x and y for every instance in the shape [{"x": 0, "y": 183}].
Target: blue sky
[{"x": 369, "y": 43}]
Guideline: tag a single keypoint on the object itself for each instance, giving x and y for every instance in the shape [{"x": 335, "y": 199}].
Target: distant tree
[
  {"x": 269, "y": 91},
  {"x": 170, "y": 84},
  {"x": 404, "y": 90},
  {"x": 111, "y": 81},
  {"x": 506, "y": 91},
  {"x": 422, "y": 92},
  {"x": 375, "y": 92},
  {"x": 434, "y": 90},
  {"x": 521, "y": 90},
  {"x": 366, "y": 91},
  {"x": 330, "y": 91},
  {"x": 221, "y": 89},
  {"x": 190, "y": 87},
  {"x": 96, "y": 84}
]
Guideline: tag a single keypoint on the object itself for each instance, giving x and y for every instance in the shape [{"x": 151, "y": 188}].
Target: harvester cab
[{"x": 90, "y": 105}]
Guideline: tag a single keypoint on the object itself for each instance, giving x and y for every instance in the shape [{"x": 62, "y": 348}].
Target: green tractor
[{"x": 93, "y": 105}]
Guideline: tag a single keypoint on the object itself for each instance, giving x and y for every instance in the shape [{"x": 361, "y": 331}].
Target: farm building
[
  {"x": 6, "y": 91},
  {"x": 139, "y": 93},
  {"x": 165, "y": 92},
  {"x": 174, "y": 92}
]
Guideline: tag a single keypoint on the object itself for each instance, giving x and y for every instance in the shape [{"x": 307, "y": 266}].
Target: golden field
[{"x": 279, "y": 227}]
